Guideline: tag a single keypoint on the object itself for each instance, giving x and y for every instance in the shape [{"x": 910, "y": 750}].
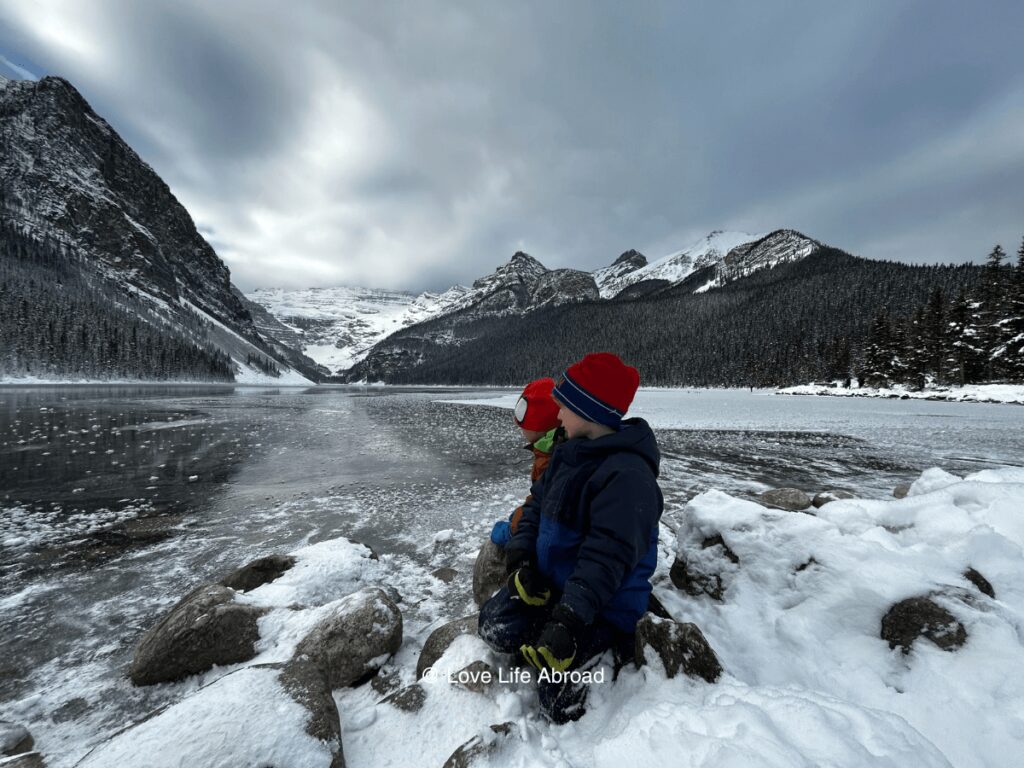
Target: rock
[
  {"x": 476, "y": 677},
  {"x": 918, "y": 617},
  {"x": 447, "y": 575},
  {"x": 805, "y": 565},
  {"x": 14, "y": 739},
  {"x": 307, "y": 685},
  {"x": 980, "y": 582},
  {"x": 70, "y": 710},
  {"x": 679, "y": 646},
  {"x": 386, "y": 682},
  {"x": 409, "y": 699},
  {"x": 441, "y": 638},
  {"x": 245, "y": 716},
  {"x": 354, "y": 639},
  {"x": 823, "y": 498},
  {"x": 483, "y": 746},
  {"x": 901, "y": 491},
  {"x": 488, "y": 572},
  {"x": 258, "y": 572},
  {"x": 24, "y": 760},
  {"x": 694, "y": 581},
  {"x": 206, "y": 628},
  {"x": 790, "y": 499},
  {"x": 654, "y": 606}
]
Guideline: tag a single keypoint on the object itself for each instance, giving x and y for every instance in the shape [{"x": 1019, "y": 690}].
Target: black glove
[
  {"x": 517, "y": 558},
  {"x": 527, "y": 584},
  {"x": 556, "y": 647}
]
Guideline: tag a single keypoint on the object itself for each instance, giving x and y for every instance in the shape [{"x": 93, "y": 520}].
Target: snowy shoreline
[{"x": 1010, "y": 394}]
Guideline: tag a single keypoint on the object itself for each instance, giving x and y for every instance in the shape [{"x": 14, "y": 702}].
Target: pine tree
[{"x": 935, "y": 335}]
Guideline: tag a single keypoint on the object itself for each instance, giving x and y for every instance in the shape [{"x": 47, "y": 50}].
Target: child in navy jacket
[{"x": 583, "y": 553}]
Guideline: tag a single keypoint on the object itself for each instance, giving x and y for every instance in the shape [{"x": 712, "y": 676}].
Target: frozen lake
[{"x": 116, "y": 500}]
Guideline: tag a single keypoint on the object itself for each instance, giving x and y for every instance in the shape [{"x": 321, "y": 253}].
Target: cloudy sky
[{"x": 418, "y": 144}]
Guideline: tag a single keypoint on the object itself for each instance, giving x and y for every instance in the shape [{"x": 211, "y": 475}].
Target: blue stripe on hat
[{"x": 584, "y": 404}]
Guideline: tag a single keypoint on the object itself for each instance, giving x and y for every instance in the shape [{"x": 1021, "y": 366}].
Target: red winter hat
[
  {"x": 535, "y": 409},
  {"x": 599, "y": 388}
]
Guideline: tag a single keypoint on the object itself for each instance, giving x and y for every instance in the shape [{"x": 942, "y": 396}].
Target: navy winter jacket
[{"x": 593, "y": 524}]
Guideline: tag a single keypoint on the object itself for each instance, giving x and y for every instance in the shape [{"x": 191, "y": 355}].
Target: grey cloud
[{"x": 418, "y": 144}]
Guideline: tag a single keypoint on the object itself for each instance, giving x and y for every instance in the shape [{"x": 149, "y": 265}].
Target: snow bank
[
  {"x": 803, "y": 608},
  {"x": 973, "y": 393}
]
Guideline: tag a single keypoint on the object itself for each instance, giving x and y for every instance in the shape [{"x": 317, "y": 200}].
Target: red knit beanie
[
  {"x": 536, "y": 410},
  {"x": 599, "y": 388}
]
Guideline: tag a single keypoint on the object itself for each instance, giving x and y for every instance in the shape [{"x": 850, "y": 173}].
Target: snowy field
[{"x": 808, "y": 680}]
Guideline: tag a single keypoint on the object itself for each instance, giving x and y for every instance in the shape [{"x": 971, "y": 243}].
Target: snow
[
  {"x": 242, "y": 719},
  {"x": 972, "y": 393}
]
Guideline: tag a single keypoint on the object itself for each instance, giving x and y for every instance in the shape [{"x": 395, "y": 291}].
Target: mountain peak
[{"x": 631, "y": 258}]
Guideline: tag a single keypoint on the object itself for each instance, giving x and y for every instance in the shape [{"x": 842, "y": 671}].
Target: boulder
[
  {"x": 258, "y": 572},
  {"x": 386, "y": 681},
  {"x": 206, "y": 628},
  {"x": 679, "y": 647},
  {"x": 918, "y": 617},
  {"x": 24, "y": 760},
  {"x": 488, "y": 572},
  {"x": 447, "y": 575},
  {"x": 695, "y": 580},
  {"x": 409, "y": 699},
  {"x": 14, "y": 739},
  {"x": 482, "y": 747},
  {"x": 823, "y": 498},
  {"x": 901, "y": 491},
  {"x": 265, "y": 714},
  {"x": 441, "y": 638},
  {"x": 358, "y": 635},
  {"x": 980, "y": 582},
  {"x": 790, "y": 499}
]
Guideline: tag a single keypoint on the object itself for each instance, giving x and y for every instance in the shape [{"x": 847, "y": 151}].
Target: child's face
[
  {"x": 531, "y": 435},
  {"x": 575, "y": 426}
]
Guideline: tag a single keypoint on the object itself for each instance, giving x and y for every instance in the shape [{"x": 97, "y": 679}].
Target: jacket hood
[{"x": 635, "y": 436}]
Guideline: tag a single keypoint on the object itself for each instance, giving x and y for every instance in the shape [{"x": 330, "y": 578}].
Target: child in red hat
[
  {"x": 582, "y": 556},
  {"x": 536, "y": 415}
]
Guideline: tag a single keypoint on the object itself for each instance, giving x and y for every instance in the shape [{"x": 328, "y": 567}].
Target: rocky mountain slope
[{"x": 68, "y": 180}]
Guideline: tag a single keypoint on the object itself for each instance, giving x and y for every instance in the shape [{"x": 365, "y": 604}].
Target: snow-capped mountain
[
  {"x": 675, "y": 267},
  {"x": 69, "y": 183},
  {"x": 338, "y": 327}
]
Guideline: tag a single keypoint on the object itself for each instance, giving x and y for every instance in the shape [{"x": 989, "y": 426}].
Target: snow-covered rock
[
  {"x": 355, "y": 637},
  {"x": 272, "y": 715},
  {"x": 205, "y": 628}
]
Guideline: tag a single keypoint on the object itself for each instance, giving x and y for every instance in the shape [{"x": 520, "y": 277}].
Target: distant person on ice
[
  {"x": 581, "y": 558},
  {"x": 536, "y": 415}
]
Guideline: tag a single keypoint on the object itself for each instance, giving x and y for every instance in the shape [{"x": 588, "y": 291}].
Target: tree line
[
  {"x": 976, "y": 336},
  {"x": 58, "y": 321}
]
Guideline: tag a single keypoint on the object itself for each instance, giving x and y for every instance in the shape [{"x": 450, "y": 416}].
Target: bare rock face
[
  {"x": 696, "y": 580},
  {"x": 14, "y": 739},
  {"x": 259, "y": 572},
  {"x": 206, "y": 628},
  {"x": 823, "y": 498},
  {"x": 481, "y": 748},
  {"x": 789, "y": 499},
  {"x": 239, "y": 709},
  {"x": 488, "y": 572},
  {"x": 901, "y": 491},
  {"x": 441, "y": 639},
  {"x": 918, "y": 617},
  {"x": 349, "y": 644},
  {"x": 564, "y": 285},
  {"x": 980, "y": 582},
  {"x": 681, "y": 647},
  {"x": 654, "y": 606}
]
